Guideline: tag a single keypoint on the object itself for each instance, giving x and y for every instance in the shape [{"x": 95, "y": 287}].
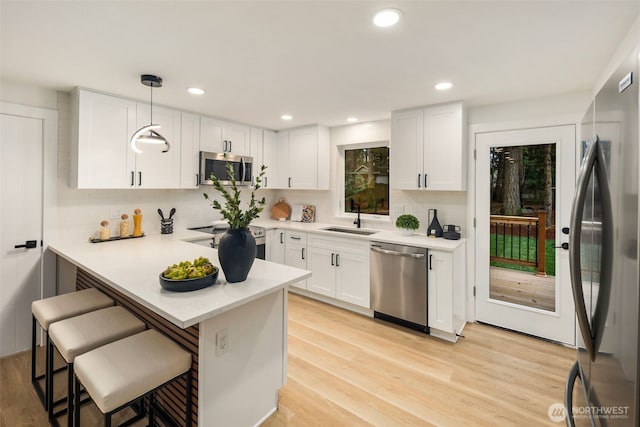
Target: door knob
[
  {"x": 29, "y": 244},
  {"x": 565, "y": 230},
  {"x": 564, "y": 246}
]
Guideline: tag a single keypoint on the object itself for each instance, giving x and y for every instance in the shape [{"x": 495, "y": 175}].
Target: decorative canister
[
  {"x": 137, "y": 223},
  {"x": 124, "y": 226}
]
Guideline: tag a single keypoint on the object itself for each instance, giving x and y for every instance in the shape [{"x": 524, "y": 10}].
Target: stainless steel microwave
[{"x": 216, "y": 164}]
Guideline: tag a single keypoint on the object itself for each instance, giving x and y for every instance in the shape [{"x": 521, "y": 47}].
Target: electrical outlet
[
  {"x": 398, "y": 210},
  {"x": 115, "y": 213},
  {"x": 222, "y": 342}
]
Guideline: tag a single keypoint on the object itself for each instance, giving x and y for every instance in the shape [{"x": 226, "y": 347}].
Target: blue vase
[{"x": 236, "y": 252}]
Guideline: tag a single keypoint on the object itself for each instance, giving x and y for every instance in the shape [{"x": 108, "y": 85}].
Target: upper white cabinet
[
  {"x": 301, "y": 159},
  {"x": 268, "y": 157},
  {"x": 189, "y": 151},
  {"x": 427, "y": 149},
  {"x": 100, "y": 152},
  {"x": 101, "y": 156},
  {"x": 217, "y": 136},
  {"x": 155, "y": 168}
]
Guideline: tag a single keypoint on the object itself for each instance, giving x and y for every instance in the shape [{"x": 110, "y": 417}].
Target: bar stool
[
  {"x": 49, "y": 310},
  {"x": 80, "y": 334},
  {"x": 119, "y": 374}
]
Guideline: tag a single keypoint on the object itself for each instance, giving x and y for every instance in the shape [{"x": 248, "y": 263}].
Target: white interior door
[
  {"x": 557, "y": 321},
  {"x": 21, "y": 211}
]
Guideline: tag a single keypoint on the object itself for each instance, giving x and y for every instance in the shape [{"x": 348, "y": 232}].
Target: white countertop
[
  {"x": 133, "y": 267},
  {"x": 386, "y": 236}
]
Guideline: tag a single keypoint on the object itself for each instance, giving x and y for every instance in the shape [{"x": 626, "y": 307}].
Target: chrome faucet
[{"x": 357, "y": 221}]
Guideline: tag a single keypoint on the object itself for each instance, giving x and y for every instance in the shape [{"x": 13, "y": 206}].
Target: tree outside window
[{"x": 366, "y": 180}]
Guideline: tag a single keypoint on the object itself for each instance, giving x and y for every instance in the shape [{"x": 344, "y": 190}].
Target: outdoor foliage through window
[{"x": 366, "y": 180}]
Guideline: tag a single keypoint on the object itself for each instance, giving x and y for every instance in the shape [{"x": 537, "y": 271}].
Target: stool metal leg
[
  {"x": 70, "y": 394},
  {"x": 40, "y": 391},
  {"x": 76, "y": 402},
  {"x": 49, "y": 377}
]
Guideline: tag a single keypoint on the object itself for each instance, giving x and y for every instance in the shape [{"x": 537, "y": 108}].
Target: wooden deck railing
[{"x": 522, "y": 231}]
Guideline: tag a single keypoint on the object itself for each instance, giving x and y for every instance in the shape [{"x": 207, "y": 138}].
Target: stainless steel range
[{"x": 258, "y": 233}]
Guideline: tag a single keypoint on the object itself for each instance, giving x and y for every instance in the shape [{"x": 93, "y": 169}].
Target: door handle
[
  {"x": 337, "y": 260},
  {"x": 230, "y": 149},
  {"x": 564, "y": 246},
  {"x": 282, "y": 238},
  {"x": 419, "y": 180},
  {"x": 265, "y": 182},
  {"x": 197, "y": 176},
  {"x": 289, "y": 182},
  {"x": 295, "y": 237},
  {"x": 430, "y": 262},
  {"x": 133, "y": 178},
  {"x": 425, "y": 180},
  {"x": 139, "y": 179},
  {"x": 302, "y": 253},
  {"x": 29, "y": 244},
  {"x": 333, "y": 258}
]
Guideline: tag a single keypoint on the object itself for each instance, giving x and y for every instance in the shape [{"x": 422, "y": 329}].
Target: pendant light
[{"x": 148, "y": 134}]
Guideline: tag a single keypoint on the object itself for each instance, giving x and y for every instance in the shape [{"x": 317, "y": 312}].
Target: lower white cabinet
[
  {"x": 340, "y": 268},
  {"x": 274, "y": 250},
  {"x": 446, "y": 297},
  {"x": 295, "y": 253}
]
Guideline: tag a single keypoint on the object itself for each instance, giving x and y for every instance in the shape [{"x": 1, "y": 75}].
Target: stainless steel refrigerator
[{"x": 603, "y": 385}]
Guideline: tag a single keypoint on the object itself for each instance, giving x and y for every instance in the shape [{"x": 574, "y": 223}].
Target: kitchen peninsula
[{"x": 236, "y": 385}]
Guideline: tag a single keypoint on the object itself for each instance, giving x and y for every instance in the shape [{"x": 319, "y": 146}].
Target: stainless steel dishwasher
[{"x": 399, "y": 284}]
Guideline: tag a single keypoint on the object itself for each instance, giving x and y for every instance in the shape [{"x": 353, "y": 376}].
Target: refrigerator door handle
[
  {"x": 594, "y": 163},
  {"x": 574, "y": 373},
  {"x": 574, "y": 246},
  {"x": 599, "y": 318}
]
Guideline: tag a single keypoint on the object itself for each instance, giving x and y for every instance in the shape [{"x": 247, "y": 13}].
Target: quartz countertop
[
  {"x": 133, "y": 266},
  {"x": 387, "y": 236}
]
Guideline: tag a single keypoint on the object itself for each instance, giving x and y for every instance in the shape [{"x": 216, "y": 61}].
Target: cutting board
[{"x": 280, "y": 210}]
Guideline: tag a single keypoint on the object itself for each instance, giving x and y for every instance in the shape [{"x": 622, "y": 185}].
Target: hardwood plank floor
[{"x": 350, "y": 370}]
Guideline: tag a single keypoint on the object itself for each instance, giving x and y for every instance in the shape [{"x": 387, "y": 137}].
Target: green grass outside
[{"x": 504, "y": 242}]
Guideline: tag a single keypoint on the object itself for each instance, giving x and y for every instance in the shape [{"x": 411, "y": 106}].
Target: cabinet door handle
[
  {"x": 139, "y": 179},
  {"x": 132, "y": 178},
  {"x": 295, "y": 237},
  {"x": 289, "y": 182},
  {"x": 197, "y": 179},
  {"x": 265, "y": 182},
  {"x": 337, "y": 260},
  {"x": 333, "y": 257},
  {"x": 230, "y": 142},
  {"x": 224, "y": 146},
  {"x": 425, "y": 180},
  {"x": 282, "y": 238},
  {"x": 302, "y": 253},
  {"x": 430, "y": 262},
  {"x": 419, "y": 181}
]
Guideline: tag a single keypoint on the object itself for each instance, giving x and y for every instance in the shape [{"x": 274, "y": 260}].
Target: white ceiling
[{"x": 320, "y": 61}]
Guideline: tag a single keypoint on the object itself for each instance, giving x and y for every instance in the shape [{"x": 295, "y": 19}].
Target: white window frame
[{"x": 341, "y": 213}]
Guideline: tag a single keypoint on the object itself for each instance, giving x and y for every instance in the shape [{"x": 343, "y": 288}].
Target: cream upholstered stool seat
[
  {"x": 49, "y": 310},
  {"x": 118, "y": 374},
  {"x": 80, "y": 334}
]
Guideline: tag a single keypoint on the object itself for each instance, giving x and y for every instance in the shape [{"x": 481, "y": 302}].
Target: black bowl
[{"x": 186, "y": 285}]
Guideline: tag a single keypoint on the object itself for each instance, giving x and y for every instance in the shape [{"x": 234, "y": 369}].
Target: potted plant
[
  {"x": 407, "y": 224},
  {"x": 237, "y": 248}
]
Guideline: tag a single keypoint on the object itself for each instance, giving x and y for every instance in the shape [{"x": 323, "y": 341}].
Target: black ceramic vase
[{"x": 236, "y": 252}]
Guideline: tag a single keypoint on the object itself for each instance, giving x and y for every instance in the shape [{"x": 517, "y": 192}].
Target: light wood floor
[
  {"x": 350, "y": 370},
  {"x": 523, "y": 288}
]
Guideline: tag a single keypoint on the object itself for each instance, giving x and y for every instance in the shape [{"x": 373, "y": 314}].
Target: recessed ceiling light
[
  {"x": 444, "y": 86},
  {"x": 286, "y": 117},
  {"x": 195, "y": 91},
  {"x": 352, "y": 119},
  {"x": 387, "y": 17}
]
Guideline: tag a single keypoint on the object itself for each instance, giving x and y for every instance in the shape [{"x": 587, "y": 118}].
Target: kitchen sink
[{"x": 350, "y": 231}]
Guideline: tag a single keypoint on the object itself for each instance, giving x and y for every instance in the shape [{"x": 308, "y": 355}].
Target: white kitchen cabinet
[
  {"x": 446, "y": 296},
  {"x": 218, "y": 136},
  {"x": 427, "y": 149},
  {"x": 275, "y": 244},
  {"x": 189, "y": 151},
  {"x": 101, "y": 155},
  {"x": 268, "y": 156},
  {"x": 296, "y": 253},
  {"x": 302, "y": 159},
  {"x": 153, "y": 167},
  {"x": 340, "y": 268}
]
